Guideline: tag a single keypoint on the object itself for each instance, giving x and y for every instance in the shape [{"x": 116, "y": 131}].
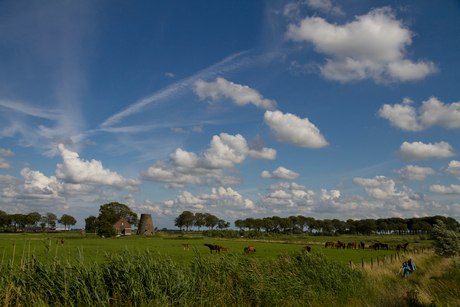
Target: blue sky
[{"x": 330, "y": 109}]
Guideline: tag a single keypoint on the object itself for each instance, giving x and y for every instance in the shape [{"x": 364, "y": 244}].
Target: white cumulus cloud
[
  {"x": 6, "y": 153},
  {"x": 240, "y": 94},
  {"x": 75, "y": 170},
  {"x": 432, "y": 113},
  {"x": 414, "y": 172},
  {"x": 452, "y": 189},
  {"x": 419, "y": 151},
  {"x": 372, "y": 46},
  {"x": 225, "y": 152},
  {"x": 280, "y": 173},
  {"x": 291, "y": 129},
  {"x": 454, "y": 169},
  {"x": 6, "y": 164}
]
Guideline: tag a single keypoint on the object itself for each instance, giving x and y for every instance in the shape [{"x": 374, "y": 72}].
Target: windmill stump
[{"x": 146, "y": 225}]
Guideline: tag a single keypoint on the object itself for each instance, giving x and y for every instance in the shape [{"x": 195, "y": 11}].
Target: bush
[{"x": 447, "y": 241}]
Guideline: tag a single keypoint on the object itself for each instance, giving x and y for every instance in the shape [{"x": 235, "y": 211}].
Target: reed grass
[{"x": 138, "y": 278}]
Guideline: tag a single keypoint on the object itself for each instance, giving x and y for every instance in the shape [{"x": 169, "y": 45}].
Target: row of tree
[
  {"x": 188, "y": 219},
  {"x": 33, "y": 220},
  {"x": 300, "y": 224}
]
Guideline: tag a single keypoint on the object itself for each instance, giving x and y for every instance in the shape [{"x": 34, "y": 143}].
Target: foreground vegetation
[
  {"x": 291, "y": 279},
  {"x": 147, "y": 279}
]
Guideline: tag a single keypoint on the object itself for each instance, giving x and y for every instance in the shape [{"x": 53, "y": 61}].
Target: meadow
[{"x": 46, "y": 246}]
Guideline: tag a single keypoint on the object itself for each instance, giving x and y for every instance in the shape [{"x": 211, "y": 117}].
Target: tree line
[
  {"x": 34, "y": 220},
  {"x": 302, "y": 224},
  {"x": 188, "y": 219}
]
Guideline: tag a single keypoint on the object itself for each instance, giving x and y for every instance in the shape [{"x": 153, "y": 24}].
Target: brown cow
[{"x": 186, "y": 246}]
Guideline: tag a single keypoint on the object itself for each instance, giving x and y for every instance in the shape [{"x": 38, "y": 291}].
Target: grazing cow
[
  {"x": 382, "y": 246},
  {"x": 351, "y": 245},
  {"x": 403, "y": 246},
  {"x": 329, "y": 244},
  {"x": 213, "y": 247},
  {"x": 249, "y": 249},
  {"x": 307, "y": 248},
  {"x": 224, "y": 249},
  {"x": 361, "y": 245},
  {"x": 186, "y": 246}
]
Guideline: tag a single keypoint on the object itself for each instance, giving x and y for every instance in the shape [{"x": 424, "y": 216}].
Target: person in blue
[
  {"x": 407, "y": 270},
  {"x": 411, "y": 265}
]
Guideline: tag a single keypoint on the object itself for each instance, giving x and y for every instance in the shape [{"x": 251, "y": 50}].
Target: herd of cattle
[{"x": 338, "y": 245}]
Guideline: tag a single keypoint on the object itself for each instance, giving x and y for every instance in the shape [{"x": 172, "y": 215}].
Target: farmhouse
[{"x": 122, "y": 226}]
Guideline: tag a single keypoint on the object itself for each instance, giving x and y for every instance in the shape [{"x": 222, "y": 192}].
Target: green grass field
[{"x": 43, "y": 246}]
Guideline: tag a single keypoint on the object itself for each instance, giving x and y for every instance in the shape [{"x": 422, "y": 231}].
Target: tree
[
  {"x": 210, "y": 220},
  {"x": 447, "y": 241},
  {"x": 112, "y": 212},
  {"x": 33, "y": 218},
  {"x": 199, "y": 220},
  {"x": 91, "y": 223},
  {"x": 4, "y": 219},
  {"x": 67, "y": 220},
  {"x": 239, "y": 224},
  {"x": 50, "y": 219},
  {"x": 221, "y": 224},
  {"x": 186, "y": 219},
  {"x": 106, "y": 229}
]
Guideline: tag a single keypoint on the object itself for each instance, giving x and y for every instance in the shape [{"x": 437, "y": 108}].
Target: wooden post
[
  {"x": 351, "y": 264},
  {"x": 372, "y": 263},
  {"x": 363, "y": 263}
]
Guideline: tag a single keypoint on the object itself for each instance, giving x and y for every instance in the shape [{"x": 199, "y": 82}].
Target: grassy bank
[{"x": 435, "y": 283}]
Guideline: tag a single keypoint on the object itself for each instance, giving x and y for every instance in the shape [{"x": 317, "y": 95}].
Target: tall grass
[{"x": 145, "y": 279}]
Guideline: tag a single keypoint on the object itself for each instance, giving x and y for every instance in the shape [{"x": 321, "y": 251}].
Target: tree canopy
[{"x": 112, "y": 212}]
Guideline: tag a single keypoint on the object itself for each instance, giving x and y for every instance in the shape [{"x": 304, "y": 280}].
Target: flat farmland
[{"x": 46, "y": 247}]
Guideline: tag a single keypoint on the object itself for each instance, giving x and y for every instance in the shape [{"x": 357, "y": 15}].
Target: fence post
[
  {"x": 351, "y": 264},
  {"x": 372, "y": 263},
  {"x": 363, "y": 263}
]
